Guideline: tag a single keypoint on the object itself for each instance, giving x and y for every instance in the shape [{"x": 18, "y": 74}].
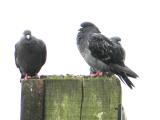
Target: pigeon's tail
[
  {"x": 119, "y": 69},
  {"x": 123, "y": 73},
  {"x": 126, "y": 80},
  {"x": 130, "y": 73}
]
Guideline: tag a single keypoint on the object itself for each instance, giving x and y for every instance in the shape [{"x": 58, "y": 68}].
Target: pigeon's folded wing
[
  {"x": 15, "y": 55},
  {"x": 100, "y": 47},
  {"x": 44, "y": 51}
]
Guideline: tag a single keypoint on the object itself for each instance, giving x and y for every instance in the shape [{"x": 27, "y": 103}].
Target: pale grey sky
[{"x": 57, "y": 23}]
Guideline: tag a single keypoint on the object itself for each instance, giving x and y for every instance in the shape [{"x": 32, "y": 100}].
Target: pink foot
[
  {"x": 97, "y": 74},
  {"x": 26, "y": 77}
]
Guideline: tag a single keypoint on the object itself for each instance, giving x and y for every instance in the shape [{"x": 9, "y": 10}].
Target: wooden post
[
  {"x": 32, "y": 100},
  {"x": 71, "y": 98}
]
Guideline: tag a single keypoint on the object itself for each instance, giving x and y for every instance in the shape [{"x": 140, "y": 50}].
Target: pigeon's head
[
  {"x": 115, "y": 39},
  {"x": 89, "y": 26},
  {"x": 27, "y": 34}
]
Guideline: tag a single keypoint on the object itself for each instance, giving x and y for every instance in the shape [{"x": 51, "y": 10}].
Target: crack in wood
[{"x": 82, "y": 99}]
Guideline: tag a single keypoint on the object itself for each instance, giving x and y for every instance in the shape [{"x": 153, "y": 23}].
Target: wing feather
[
  {"x": 100, "y": 47},
  {"x": 43, "y": 52}
]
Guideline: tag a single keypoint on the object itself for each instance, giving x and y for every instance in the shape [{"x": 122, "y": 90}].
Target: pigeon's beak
[{"x": 28, "y": 37}]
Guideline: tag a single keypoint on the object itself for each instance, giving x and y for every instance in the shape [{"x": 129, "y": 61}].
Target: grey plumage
[
  {"x": 103, "y": 54},
  {"x": 30, "y": 54},
  {"x": 83, "y": 45}
]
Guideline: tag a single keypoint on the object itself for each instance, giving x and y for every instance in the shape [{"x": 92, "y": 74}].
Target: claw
[
  {"x": 97, "y": 74},
  {"x": 26, "y": 77}
]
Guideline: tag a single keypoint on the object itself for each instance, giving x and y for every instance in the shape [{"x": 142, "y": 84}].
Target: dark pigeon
[
  {"x": 30, "y": 55},
  {"x": 103, "y": 54}
]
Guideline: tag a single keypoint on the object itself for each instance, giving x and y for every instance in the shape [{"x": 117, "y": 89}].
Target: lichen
[{"x": 76, "y": 77}]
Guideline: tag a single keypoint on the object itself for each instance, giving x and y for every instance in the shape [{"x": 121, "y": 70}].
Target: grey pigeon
[
  {"x": 103, "y": 54},
  {"x": 30, "y": 55}
]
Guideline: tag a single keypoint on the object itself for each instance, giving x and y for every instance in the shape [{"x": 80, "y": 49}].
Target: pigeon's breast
[
  {"x": 94, "y": 62},
  {"x": 29, "y": 57}
]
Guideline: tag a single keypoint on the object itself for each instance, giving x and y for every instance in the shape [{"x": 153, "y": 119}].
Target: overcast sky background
[{"x": 56, "y": 22}]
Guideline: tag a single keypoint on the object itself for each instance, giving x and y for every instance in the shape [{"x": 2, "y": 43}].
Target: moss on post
[
  {"x": 62, "y": 99},
  {"x": 101, "y": 99},
  {"x": 71, "y": 98},
  {"x": 32, "y": 100}
]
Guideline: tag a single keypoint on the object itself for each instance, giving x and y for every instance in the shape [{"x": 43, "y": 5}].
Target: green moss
[
  {"x": 62, "y": 99},
  {"x": 77, "y": 77},
  {"x": 67, "y": 97},
  {"x": 101, "y": 99}
]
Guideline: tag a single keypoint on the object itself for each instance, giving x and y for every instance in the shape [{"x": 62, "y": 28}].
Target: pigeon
[
  {"x": 103, "y": 55},
  {"x": 30, "y": 55}
]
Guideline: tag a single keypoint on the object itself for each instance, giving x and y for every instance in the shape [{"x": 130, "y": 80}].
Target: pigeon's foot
[
  {"x": 26, "y": 77},
  {"x": 97, "y": 74}
]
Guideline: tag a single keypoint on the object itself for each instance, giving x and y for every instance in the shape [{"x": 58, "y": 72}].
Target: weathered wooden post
[
  {"x": 32, "y": 100},
  {"x": 71, "y": 98}
]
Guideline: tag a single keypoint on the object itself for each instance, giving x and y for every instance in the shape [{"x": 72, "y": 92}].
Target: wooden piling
[{"x": 71, "y": 98}]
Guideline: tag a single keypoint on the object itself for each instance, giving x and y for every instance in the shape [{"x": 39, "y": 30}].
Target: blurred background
[{"x": 56, "y": 22}]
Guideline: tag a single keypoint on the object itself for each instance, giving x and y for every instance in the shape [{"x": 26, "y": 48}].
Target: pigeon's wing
[
  {"x": 44, "y": 51},
  {"x": 100, "y": 47},
  {"x": 118, "y": 54},
  {"x": 15, "y": 55}
]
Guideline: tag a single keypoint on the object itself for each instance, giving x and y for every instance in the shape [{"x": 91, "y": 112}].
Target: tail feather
[
  {"x": 131, "y": 73},
  {"x": 123, "y": 72},
  {"x": 126, "y": 70},
  {"x": 125, "y": 79}
]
